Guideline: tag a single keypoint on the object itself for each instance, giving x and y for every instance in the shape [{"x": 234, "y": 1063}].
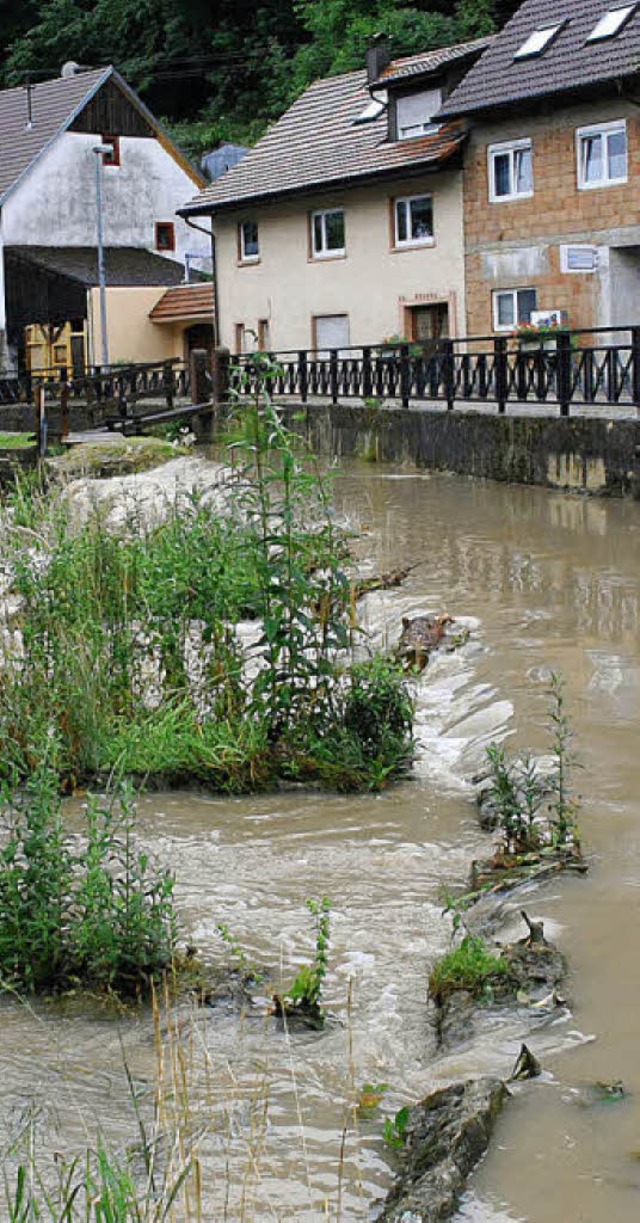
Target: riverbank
[{"x": 583, "y": 454}]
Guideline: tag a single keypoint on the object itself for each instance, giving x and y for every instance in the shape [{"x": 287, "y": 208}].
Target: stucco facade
[
  {"x": 521, "y": 244},
  {"x": 132, "y": 335},
  {"x": 378, "y": 285}
]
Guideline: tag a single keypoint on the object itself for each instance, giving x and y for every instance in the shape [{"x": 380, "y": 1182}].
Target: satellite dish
[{"x": 70, "y": 69}]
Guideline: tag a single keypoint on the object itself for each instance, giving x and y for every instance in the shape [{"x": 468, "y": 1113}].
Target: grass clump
[
  {"x": 87, "y": 912},
  {"x": 130, "y": 650},
  {"x": 470, "y": 967}
]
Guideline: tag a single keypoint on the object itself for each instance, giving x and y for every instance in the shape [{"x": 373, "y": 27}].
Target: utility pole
[{"x": 100, "y": 150}]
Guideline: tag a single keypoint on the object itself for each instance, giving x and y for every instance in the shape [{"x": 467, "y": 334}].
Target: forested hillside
[{"x": 222, "y": 69}]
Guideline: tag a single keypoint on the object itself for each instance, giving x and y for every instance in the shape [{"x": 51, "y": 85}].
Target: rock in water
[
  {"x": 419, "y": 638},
  {"x": 447, "y": 1133}
]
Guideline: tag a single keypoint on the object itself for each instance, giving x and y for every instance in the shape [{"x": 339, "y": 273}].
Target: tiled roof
[
  {"x": 569, "y": 63},
  {"x": 316, "y": 144},
  {"x": 53, "y": 105},
  {"x": 125, "y": 265},
  {"x": 431, "y": 61},
  {"x": 184, "y": 303}
]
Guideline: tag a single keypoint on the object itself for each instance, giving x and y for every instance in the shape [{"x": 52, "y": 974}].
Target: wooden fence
[{"x": 597, "y": 367}]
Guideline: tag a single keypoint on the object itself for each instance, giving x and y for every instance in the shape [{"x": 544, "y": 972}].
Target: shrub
[
  {"x": 91, "y": 914},
  {"x": 470, "y": 967}
]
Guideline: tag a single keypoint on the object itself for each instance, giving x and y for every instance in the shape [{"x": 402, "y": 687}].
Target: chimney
[{"x": 378, "y": 56}]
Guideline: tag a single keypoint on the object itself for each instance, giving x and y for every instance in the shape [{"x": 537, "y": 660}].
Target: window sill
[
  {"x": 609, "y": 182},
  {"x": 511, "y": 199},
  {"x": 326, "y": 258},
  {"x": 420, "y": 244},
  {"x": 248, "y": 263}
]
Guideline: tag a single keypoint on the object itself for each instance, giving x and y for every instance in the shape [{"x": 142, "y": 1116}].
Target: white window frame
[
  {"x": 497, "y": 325},
  {"x": 406, "y": 200},
  {"x": 244, "y": 257},
  {"x": 335, "y": 252},
  {"x": 604, "y": 130},
  {"x": 510, "y": 147},
  {"x": 612, "y": 22}
]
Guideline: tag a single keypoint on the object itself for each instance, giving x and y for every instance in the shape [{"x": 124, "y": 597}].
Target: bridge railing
[
  {"x": 114, "y": 386},
  {"x": 557, "y": 367}
]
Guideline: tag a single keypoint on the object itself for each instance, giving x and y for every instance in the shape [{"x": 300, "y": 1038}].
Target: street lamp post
[{"x": 100, "y": 150}]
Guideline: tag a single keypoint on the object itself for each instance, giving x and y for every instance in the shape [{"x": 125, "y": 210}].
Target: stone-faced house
[
  {"x": 552, "y": 168},
  {"x": 49, "y": 301},
  {"x": 344, "y": 224}
]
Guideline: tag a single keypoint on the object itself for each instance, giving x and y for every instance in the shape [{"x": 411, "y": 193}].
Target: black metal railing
[
  {"x": 600, "y": 366},
  {"x": 116, "y": 386}
]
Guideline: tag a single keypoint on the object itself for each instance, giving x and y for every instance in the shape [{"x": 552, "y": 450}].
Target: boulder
[{"x": 446, "y": 1135}]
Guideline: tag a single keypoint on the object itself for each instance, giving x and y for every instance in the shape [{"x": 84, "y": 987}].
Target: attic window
[
  {"x": 415, "y": 113},
  {"x": 373, "y": 109},
  {"x": 112, "y": 158},
  {"x": 538, "y": 42},
  {"x": 611, "y": 23}
]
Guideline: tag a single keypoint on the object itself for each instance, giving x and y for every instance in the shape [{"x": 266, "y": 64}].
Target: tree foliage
[{"x": 223, "y": 70}]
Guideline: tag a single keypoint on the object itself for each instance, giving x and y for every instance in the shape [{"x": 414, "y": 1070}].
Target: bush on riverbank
[
  {"x": 206, "y": 649},
  {"x": 87, "y": 912}
]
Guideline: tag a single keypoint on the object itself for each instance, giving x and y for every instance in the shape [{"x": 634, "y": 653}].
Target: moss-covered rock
[{"x": 113, "y": 456}]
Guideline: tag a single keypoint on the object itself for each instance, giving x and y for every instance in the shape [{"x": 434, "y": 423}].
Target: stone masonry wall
[{"x": 515, "y": 244}]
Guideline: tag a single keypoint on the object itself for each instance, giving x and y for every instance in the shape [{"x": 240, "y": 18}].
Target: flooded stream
[{"x": 545, "y": 582}]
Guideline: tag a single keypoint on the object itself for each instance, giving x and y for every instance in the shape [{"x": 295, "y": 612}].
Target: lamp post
[{"x": 100, "y": 150}]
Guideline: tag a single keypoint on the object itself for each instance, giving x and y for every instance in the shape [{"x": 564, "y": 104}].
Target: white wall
[
  {"x": 55, "y": 204},
  {"x": 373, "y": 283}
]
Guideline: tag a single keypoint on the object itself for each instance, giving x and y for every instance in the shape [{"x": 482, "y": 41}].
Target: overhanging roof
[
  {"x": 568, "y": 64},
  {"x": 317, "y": 144},
  {"x": 185, "y": 304},
  {"x": 126, "y": 266}
]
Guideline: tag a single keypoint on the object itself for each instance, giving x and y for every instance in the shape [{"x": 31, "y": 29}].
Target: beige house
[{"x": 344, "y": 225}]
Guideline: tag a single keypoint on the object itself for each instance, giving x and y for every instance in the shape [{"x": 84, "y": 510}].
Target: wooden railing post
[
  {"x": 563, "y": 371},
  {"x": 367, "y": 374},
  {"x": 64, "y": 404},
  {"x": 501, "y": 372},
  {"x": 405, "y": 375},
  {"x": 168, "y": 383},
  {"x": 199, "y": 376},
  {"x": 635, "y": 365},
  {"x": 304, "y": 375},
  {"x": 448, "y": 373},
  {"x": 333, "y": 374},
  {"x": 220, "y": 378}
]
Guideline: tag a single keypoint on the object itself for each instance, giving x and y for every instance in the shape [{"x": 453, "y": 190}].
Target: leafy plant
[
  {"x": 470, "y": 966},
  {"x": 304, "y": 995},
  {"x": 394, "y": 1130},
  {"x": 94, "y": 915},
  {"x": 563, "y": 805}
]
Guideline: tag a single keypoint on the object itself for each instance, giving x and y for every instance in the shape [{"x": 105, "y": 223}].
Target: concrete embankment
[{"x": 588, "y": 454}]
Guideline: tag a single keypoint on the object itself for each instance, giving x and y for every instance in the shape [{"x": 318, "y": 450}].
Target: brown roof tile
[
  {"x": 569, "y": 63},
  {"x": 317, "y": 143},
  {"x": 184, "y": 303},
  {"x": 431, "y": 61}
]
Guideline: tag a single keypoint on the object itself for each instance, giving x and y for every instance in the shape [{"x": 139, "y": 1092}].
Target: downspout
[{"x": 216, "y": 304}]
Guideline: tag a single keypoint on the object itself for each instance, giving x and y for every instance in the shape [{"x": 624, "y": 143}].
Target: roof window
[
  {"x": 611, "y": 23},
  {"x": 538, "y": 42},
  {"x": 415, "y": 111},
  {"x": 373, "y": 109}
]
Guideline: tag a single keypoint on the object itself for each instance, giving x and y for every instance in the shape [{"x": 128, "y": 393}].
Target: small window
[
  {"x": 512, "y": 307},
  {"x": 264, "y": 334},
  {"x": 612, "y": 22},
  {"x": 602, "y": 155},
  {"x": 327, "y": 233},
  {"x": 414, "y": 113},
  {"x": 248, "y": 242},
  {"x": 165, "y": 236},
  {"x": 579, "y": 259},
  {"x": 510, "y": 171},
  {"x": 413, "y": 221},
  {"x": 538, "y": 42},
  {"x": 111, "y": 158}
]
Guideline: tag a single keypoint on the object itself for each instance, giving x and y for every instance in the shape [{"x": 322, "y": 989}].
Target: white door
[{"x": 332, "y": 331}]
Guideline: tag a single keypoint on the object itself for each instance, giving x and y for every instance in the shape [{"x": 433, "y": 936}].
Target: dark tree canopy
[{"x": 223, "y": 69}]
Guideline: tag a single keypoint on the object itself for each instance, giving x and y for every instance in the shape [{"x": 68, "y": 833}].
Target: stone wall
[{"x": 589, "y": 455}]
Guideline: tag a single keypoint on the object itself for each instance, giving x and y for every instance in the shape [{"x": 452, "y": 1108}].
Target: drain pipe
[{"x": 216, "y": 304}]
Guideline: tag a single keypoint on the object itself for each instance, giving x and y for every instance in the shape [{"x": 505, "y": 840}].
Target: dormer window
[
  {"x": 538, "y": 42},
  {"x": 415, "y": 111},
  {"x": 612, "y": 22}
]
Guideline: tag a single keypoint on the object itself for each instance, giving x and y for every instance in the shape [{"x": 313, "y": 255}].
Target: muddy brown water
[{"x": 544, "y": 581}]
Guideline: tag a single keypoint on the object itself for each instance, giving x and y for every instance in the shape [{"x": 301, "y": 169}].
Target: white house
[{"x": 56, "y": 138}]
